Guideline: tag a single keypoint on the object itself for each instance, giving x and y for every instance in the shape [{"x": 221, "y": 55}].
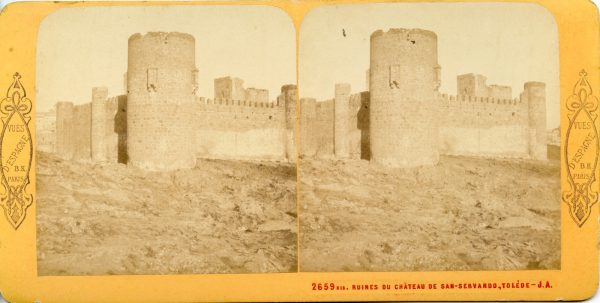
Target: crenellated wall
[
  {"x": 482, "y": 126},
  {"x": 402, "y": 121},
  {"x": 223, "y": 129},
  {"x": 232, "y": 129},
  {"x": 162, "y": 125},
  {"x": 467, "y": 125}
]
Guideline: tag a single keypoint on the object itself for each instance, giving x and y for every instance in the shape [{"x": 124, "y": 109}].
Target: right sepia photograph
[{"x": 429, "y": 138}]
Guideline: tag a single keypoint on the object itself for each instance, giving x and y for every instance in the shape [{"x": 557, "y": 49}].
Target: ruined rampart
[
  {"x": 81, "y": 127},
  {"x": 288, "y": 98},
  {"x": 160, "y": 124},
  {"x": 45, "y": 131},
  {"x": 467, "y": 125},
  {"x": 64, "y": 129},
  {"x": 403, "y": 120},
  {"x": 116, "y": 129},
  {"x": 482, "y": 126},
  {"x": 324, "y": 124},
  {"x": 75, "y": 137},
  {"x": 233, "y": 129},
  {"x": 318, "y": 127}
]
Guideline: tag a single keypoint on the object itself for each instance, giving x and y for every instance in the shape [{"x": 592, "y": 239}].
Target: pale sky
[
  {"x": 509, "y": 43},
  {"x": 79, "y": 48}
]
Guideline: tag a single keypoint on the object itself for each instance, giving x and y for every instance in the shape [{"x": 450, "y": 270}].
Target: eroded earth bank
[
  {"x": 463, "y": 214},
  {"x": 221, "y": 217}
]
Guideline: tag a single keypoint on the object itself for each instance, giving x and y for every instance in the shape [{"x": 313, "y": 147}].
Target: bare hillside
[
  {"x": 221, "y": 217},
  {"x": 463, "y": 214}
]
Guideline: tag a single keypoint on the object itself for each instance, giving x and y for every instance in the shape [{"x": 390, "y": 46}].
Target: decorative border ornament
[
  {"x": 16, "y": 152},
  {"x": 581, "y": 151}
]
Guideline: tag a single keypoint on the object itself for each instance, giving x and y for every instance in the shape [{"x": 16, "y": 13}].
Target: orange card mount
[{"x": 299, "y": 151}]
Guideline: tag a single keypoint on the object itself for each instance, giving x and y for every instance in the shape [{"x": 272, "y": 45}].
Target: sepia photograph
[
  {"x": 429, "y": 138},
  {"x": 165, "y": 141},
  {"x": 299, "y": 150}
]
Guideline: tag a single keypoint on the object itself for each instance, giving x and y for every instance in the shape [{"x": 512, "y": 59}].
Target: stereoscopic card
[{"x": 299, "y": 151}]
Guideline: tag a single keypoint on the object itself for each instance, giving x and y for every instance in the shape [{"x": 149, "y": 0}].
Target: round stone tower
[
  {"x": 403, "y": 89},
  {"x": 98, "y": 135},
  {"x": 535, "y": 93},
  {"x": 160, "y": 98}
]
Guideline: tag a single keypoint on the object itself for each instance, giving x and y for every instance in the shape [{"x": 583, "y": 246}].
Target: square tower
[
  {"x": 229, "y": 88},
  {"x": 471, "y": 85}
]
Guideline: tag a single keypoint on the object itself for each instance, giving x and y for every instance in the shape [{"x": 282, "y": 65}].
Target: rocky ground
[
  {"x": 463, "y": 214},
  {"x": 221, "y": 217}
]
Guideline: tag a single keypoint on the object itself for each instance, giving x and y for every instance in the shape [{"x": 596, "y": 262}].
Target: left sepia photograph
[{"x": 165, "y": 141}]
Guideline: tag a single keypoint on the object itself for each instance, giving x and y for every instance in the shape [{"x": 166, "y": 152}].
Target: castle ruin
[
  {"x": 404, "y": 121},
  {"x": 401, "y": 121},
  {"x": 160, "y": 124}
]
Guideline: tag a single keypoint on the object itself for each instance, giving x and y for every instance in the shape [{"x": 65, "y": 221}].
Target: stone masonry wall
[
  {"x": 358, "y": 126},
  {"x": 288, "y": 97},
  {"x": 535, "y": 94},
  {"x": 319, "y": 132},
  {"x": 324, "y": 124},
  {"x": 308, "y": 130},
  {"x": 99, "y": 147},
  {"x": 229, "y": 88},
  {"x": 256, "y": 95},
  {"x": 228, "y": 129},
  {"x": 116, "y": 129},
  {"x": 475, "y": 85},
  {"x": 477, "y": 126},
  {"x": 81, "y": 131},
  {"x": 64, "y": 130},
  {"x": 340, "y": 117},
  {"x": 468, "y": 126},
  {"x": 45, "y": 131}
]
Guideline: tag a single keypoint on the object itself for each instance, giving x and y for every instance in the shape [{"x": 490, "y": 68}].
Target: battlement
[
  {"x": 466, "y": 99},
  {"x": 162, "y": 35},
  {"x": 466, "y": 124},
  {"x": 207, "y": 103},
  {"x": 237, "y": 115},
  {"x": 403, "y": 31}
]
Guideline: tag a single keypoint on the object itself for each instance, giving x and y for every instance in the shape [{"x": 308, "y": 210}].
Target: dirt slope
[
  {"x": 221, "y": 217},
  {"x": 464, "y": 214}
]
